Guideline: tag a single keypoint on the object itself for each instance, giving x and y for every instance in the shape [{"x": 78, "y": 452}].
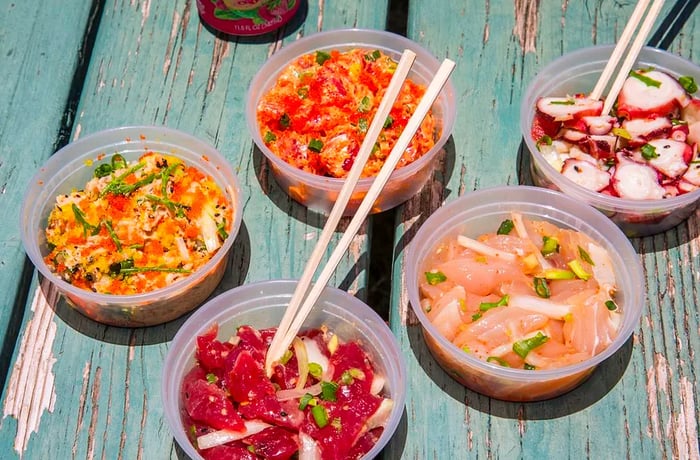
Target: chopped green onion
[
  {"x": 578, "y": 269},
  {"x": 544, "y": 140},
  {"x": 315, "y": 145},
  {"x": 611, "y": 305},
  {"x": 646, "y": 80},
  {"x": 688, "y": 83},
  {"x": 550, "y": 245},
  {"x": 118, "y": 161},
  {"x": 363, "y": 125},
  {"x": 373, "y": 56},
  {"x": 486, "y": 306},
  {"x": 465, "y": 348},
  {"x": 305, "y": 400},
  {"x": 221, "y": 229},
  {"x": 505, "y": 228},
  {"x": 622, "y": 132},
  {"x": 583, "y": 254},
  {"x": 212, "y": 378},
  {"x": 649, "y": 152},
  {"x": 565, "y": 102},
  {"x": 103, "y": 170},
  {"x": 388, "y": 122},
  {"x": 269, "y": 137},
  {"x": 497, "y": 360},
  {"x": 365, "y": 105},
  {"x": 320, "y": 416},
  {"x": 541, "y": 287},
  {"x": 285, "y": 121},
  {"x": 117, "y": 185},
  {"x": 559, "y": 274},
  {"x": 525, "y": 346},
  {"x": 328, "y": 391},
  {"x": 529, "y": 367},
  {"x": 316, "y": 370},
  {"x": 321, "y": 57},
  {"x": 434, "y": 278},
  {"x": 476, "y": 316}
]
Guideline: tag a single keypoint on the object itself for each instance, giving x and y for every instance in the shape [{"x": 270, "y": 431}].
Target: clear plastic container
[
  {"x": 319, "y": 193},
  {"x": 262, "y": 305},
  {"x": 577, "y": 72},
  {"x": 482, "y": 211},
  {"x": 72, "y": 167}
]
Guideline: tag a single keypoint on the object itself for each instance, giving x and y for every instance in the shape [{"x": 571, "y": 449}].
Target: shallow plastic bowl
[
  {"x": 482, "y": 211},
  {"x": 72, "y": 166},
  {"x": 262, "y": 305},
  {"x": 319, "y": 193},
  {"x": 577, "y": 72}
]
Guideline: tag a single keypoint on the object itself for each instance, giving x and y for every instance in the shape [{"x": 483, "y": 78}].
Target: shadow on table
[
  {"x": 236, "y": 270},
  {"x": 601, "y": 382}
]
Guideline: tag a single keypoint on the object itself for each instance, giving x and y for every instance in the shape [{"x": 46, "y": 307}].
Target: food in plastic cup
[
  {"x": 73, "y": 166},
  {"x": 577, "y": 73},
  {"x": 247, "y": 17},
  {"x": 262, "y": 305},
  {"x": 482, "y": 211},
  {"x": 319, "y": 193}
]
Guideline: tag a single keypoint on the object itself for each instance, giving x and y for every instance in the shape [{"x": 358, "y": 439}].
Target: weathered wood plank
[
  {"x": 98, "y": 394},
  {"x": 35, "y": 86},
  {"x": 643, "y": 402}
]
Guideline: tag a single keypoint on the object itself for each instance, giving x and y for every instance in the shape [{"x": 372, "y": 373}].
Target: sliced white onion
[
  {"x": 377, "y": 384},
  {"x": 217, "y": 438},
  {"x": 315, "y": 355},
  {"x": 546, "y": 307},
  {"x": 485, "y": 249},
  {"x": 302, "y": 362},
  {"x": 381, "y": 415},
  {"x": 293, "y": 393},
  {"x": 308, "y": 449}
]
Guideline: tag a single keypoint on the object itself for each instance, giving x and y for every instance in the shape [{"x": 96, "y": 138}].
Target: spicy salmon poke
[{"x": 317, "y": 113}]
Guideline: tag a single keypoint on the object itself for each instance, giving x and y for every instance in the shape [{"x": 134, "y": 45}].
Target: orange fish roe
[
  {"x": 137, "y": 227},
  {"x": 316, "y": 116}
]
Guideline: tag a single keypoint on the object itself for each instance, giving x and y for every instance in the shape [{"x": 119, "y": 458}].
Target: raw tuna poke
[
  {"x": 323, "y": 400},
  {"x": 645, "y": 149},
  {"x": 527, "y": 295}
]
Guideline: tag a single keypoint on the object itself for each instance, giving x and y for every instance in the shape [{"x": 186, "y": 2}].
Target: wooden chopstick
[
  {"x": 277, "y": 347},
  {"x": 300, "y": 314},
  {"x": 631, "y": 53}
]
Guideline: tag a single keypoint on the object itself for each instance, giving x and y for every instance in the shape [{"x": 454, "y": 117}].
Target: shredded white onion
[
  {"x": 546, "y": 307},
  {"x": 217, "y": 438},
  {"x": 293, "y": 393},
  {"x": 302, "y": 362},
  {"x": 485, "y": 249},
  {"x": 522, "y": 233}
]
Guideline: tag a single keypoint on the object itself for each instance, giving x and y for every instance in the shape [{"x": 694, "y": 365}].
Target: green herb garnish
[
  {"x": 688, "y": 83},
  {"x": 611, "y": 305},
  {"x": 305, "y": 400},
  {"x": 388, "y": 122},
  {"x": 646, "y": 80},
  {"x": 525, "y": 346},
  {"x": 583, "y": 254},
  {"x": 434, "y": 278},
  {"x": 486, "y": 306},
  {"x": 505, "y": 228},
  {"x": 315, "y": 145},
  {"x": 497, "y": 360},
  {"x": 649, "y": 152},
  {"x": 320, "y": 416},
  {"x": 328, "y": 391},
  {"x": 365, "y": 105},
  {"x": 285, "y": 121},
  {"x": 315, "y": 370},
  {"x": 321, "y": 57},
  {"x": 541, "y": 287},
  {"x": 373, "y": 56}
]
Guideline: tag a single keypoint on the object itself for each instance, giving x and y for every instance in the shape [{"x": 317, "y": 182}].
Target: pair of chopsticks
[
  {"x": 638, "y": 14},
  {"x": 300, "y": 306}
]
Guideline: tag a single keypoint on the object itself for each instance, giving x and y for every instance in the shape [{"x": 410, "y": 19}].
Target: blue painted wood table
[{"x": 73, "y": 388}]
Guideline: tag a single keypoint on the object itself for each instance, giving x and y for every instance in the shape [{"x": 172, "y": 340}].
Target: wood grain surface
[{"x": 642, "y": 403}]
